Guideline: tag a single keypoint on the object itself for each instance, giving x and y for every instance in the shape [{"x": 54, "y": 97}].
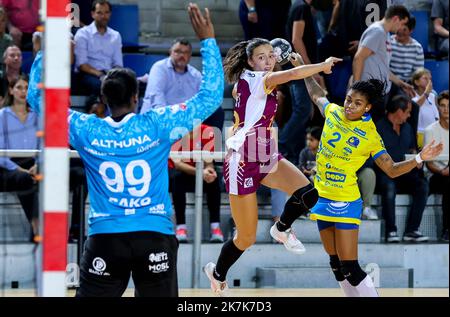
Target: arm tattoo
[
  {"x": 317, "y": 93},
  {"x": 387, "y": 165}
]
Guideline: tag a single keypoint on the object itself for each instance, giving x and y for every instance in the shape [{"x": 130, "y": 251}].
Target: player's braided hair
[
  {"x": 236, "y": 60},
  {"x": 372, "y": 89}
]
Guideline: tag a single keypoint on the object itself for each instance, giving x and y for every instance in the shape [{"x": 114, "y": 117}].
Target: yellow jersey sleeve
[{"x": 378, "y": 147}]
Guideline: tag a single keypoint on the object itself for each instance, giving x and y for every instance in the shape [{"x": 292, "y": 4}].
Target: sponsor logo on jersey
[
  {"x": 129, "y": 212},
  {"x": 347, "y": 151},
  {"x": 131, "y": 202},
  {"x": 160, "y": 110},
  {"x": 131, "y": 142},
  {"x": 336, "y": 116},
  {"x": 353, "y": 141},
  {"x": 175, "y": 109},
  {"x": 335, "y": 177},
  {"x": 360, "y": 132},
  {"x": 329, "y": 123},
  {"x": 158, "y": 209},
  {"x": 159, "y": 262},
  {"x": 331, "y": 167},
  {"x": 248, "y": 182},
  {"x": 98, "y": 267}
]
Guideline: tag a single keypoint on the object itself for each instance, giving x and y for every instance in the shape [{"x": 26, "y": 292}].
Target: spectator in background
[
  {"x": 5, "y": 39},
  {"x": 172, "y": 80},
  {"x": 23, "y": 18},
  {"x": 439, "y": 183},
  {"x": 425, "y": 98},
  {"x": 398, "y": 137},
  {"x": 367, "y": 181},
  {"x": 10, "y": 70},
  {"x": 323, "y": 13},
  {"x": 373, "y": 55},
  {"x": 407, "y": 53},
  {"x": 301, "y": 33},
  {"x": 307, "y": 159},
  {"x": 98, "y": 49},
  {"x": 439, "y": 14},
  {"x": 183, "y": 181},
  {"x": 18, "y": 127},
  {"x": 350, "y": 18},
  {"x": 264, "y": 18}
]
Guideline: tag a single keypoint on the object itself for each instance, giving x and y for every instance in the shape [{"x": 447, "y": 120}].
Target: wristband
[
  {"x": 418, "y": 159},
  {"x": 251, "y": 9}
]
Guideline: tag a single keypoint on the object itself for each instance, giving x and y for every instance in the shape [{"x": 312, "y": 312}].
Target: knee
[
  {"x": 335, "y": 265},
  {"x": 244, "y": 241},
  {"x": 352, "y": 272},
  {"x": 307, "y": 196}
]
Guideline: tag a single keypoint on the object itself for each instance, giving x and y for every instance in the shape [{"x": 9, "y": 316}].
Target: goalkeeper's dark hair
[
  {"x": 118, "y": 87},
  {"x": 236, "y": 60},
  {"x": 372, "y": 89}
]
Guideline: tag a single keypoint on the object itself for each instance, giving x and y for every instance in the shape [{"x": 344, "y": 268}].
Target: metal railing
[{"x": 198, "y": 156}]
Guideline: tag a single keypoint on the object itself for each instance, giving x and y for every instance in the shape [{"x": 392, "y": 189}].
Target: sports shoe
[
  {"x": 181, "y": 235},
  {"x": 369, "y": 214},
  {"x": 415, "y": 236},
  {"x": 219, "y": 288},
  {"x": 288, "y": 238},
  {"x": 216, "y": 235},
  {"x": 392, "y": 237}
]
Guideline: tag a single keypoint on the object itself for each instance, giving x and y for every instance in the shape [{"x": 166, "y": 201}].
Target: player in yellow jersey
[{"x": 349, "y": 137}]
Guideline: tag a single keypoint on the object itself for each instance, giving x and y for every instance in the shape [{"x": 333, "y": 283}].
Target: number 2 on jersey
[
  {"x": 337, "y": 136},
  {"x": 116, "y": 183}
]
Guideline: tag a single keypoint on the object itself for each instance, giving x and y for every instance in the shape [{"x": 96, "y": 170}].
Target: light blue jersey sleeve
[
  {"x": 76, "y": 119},
  {"x": 177, "y": 120}
]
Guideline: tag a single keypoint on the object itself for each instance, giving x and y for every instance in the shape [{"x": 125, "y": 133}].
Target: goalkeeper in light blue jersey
[{"x": 125, "y": 157}]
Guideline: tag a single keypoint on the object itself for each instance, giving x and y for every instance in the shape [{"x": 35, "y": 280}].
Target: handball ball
[{"x": 282, "y": 50}]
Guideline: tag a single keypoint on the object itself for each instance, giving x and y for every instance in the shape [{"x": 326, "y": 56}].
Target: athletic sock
[
  {"x": 348, "y": 289},
  {"x": 366, "y": 288},
  {"x": 228, "y": 256}
]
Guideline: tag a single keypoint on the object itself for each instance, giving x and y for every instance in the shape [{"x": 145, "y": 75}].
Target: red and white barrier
[{"x": 54, "y": 190}]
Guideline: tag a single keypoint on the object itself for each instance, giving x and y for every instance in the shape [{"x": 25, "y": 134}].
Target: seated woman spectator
[
  {"x": 426, "y": 99},
  {"x": 438, "y": 131},
  {"x": 18, "y": 126}
]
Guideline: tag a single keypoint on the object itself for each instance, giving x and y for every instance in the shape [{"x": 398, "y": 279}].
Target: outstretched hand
[
  {"x": 329, "y": 63},
  {"x": 202, "y": 25},
  {"x": 430, "y": 151}
]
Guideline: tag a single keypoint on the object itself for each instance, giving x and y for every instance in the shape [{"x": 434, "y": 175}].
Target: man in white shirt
[{"x": 439, "y": 182}]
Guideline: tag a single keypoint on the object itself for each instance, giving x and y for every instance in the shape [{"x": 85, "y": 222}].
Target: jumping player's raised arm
[
  {"x": 210, "y": 95},
  {"x": 34, "y": 92},
  {"x": 300, "y": 71},
  {"x": 75, "y": 118}
]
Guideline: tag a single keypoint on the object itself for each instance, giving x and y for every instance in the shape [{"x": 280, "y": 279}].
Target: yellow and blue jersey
[{"x": 344, "y": 147}]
